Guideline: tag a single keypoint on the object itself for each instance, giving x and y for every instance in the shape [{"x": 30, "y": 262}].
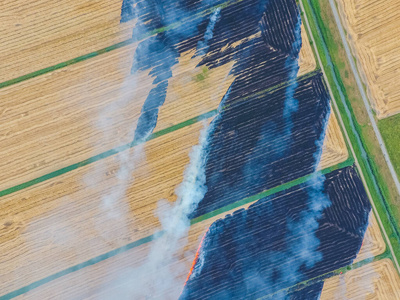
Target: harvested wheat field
[
  {"x": 376, "y": 280},
  {"x": 39, "y": 34},
  {"x": 334, "y": 147},
  {"x": 109, "y": 276},
  {"x": 373, "y": 27},
  {"x": 72, "y": 206},
  {"x": 373, "y": 243}
]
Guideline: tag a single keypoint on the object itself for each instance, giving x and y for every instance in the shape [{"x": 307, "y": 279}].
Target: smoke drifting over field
[
  {"x": 202, "y": 46},
  {"x": 161, "y": 52},
  {"x": 291, "y": 104},
  {"x": 307, "y": 247},
  {"x": 158, "y": 275}
]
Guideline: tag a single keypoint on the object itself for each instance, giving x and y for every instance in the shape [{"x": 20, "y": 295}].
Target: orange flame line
[{"x": 196, "y": 258}]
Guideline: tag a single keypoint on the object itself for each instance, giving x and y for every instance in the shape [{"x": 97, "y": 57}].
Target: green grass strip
[
  {"x": 390, "y": 129},
  {"x": 65, "y": 64},
  {"x": 158, "y": 234},
  {"x": 106, "y": 154}
]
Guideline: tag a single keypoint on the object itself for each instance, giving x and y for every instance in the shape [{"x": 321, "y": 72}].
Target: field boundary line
[
  {"x": 347, "y": 136},
  {"x": 154, "y": 135},
  {"x": 158, "y": 234},
  {"x": 106, "y": 154}
]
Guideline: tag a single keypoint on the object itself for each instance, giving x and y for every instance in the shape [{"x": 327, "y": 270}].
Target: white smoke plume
[
  {"x": 341, "y": 292},
  {"x": 202, "y": 46},
  {"x": 291, "y": 104},
  {"x": 157, "y": 277},
  {"x": 303, "y": 251}
]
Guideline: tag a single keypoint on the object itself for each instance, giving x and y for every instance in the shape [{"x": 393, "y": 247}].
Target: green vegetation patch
[
  {"x": 390, "y": 130},
  {"x": 202, "y": 75}
]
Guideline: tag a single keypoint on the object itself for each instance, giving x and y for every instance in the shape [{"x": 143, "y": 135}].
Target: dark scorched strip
[
  {"x": 248, "y": 254},
  {"x": 260, "y": 61},
  {"x": 251, "y": 150}
]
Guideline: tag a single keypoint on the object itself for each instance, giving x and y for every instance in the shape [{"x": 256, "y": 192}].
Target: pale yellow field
[
  {"x": 306, "y": 57},
  {"x": 53, "y": 120},
  {"x": 378, "y": 280},
  {"x": 63, "y": 221},
  {"x": 41, "y": 33},
  {"x": 373, "y": 243},
  {"x": 373, "y": 28},
  {"x": 334, "y": 147}
]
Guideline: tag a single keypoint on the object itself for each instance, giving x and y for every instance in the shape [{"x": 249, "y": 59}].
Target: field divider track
[
  {"x": 134, "y": 143},
  {"x": 343, "y": 270},
  {"x": 361, "y": 157},
  {"x": 106, "y": 154},
  {"x": 114, "y": 46},
  {"x": 158, "y": 234}
]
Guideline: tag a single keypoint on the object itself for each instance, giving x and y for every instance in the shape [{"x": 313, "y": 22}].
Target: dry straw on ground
[
  {"x": 373, "y": 28},
  {"x": 373, "y": 243},
  {"x": 39, "y": 34},
  {"x": 334, "y": 149}
]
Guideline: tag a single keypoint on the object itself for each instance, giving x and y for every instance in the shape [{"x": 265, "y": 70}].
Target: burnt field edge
[
  {"x": 158, "y": 234},
  {"x": 110, "y": 48},
  {"x": 134, "y": 143},
  {"x": 106, "y": 154},
  {"x": 321, "y": 278},
  {"x": 269, "y": 192},
  {"x": 367, "y": 164}
]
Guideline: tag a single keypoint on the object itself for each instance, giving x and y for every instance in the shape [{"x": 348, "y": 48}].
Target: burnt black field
[
  {"x": 253, "y": 252},
  {"x": 268, "y": 132},
  {"x": 254, "y": 146},
  {"x": 252, "y": 150},
  {"x": 260, "y": 62}
]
